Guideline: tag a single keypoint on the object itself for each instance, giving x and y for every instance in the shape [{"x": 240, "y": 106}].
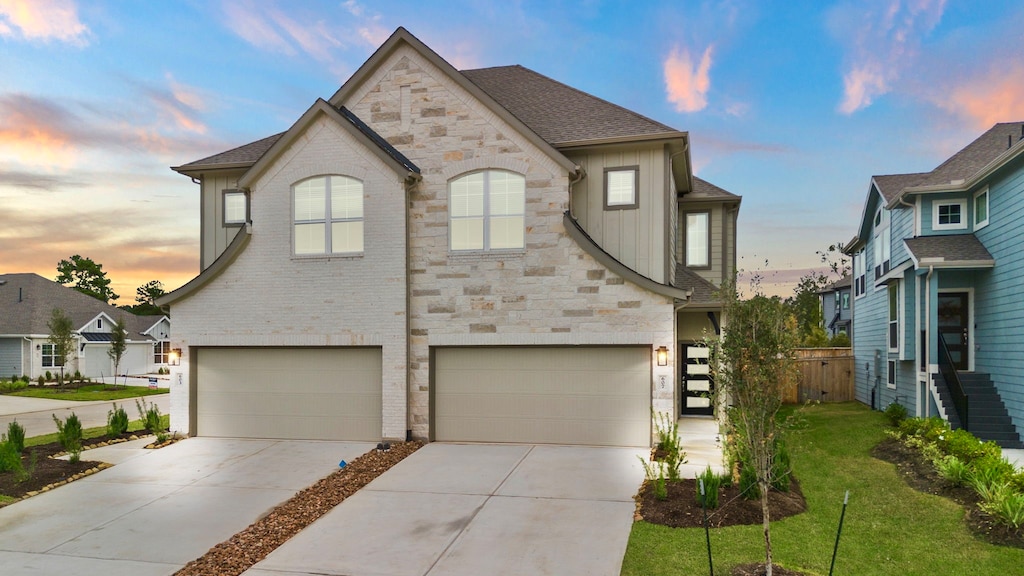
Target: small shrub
[
  {"x": 117, "y": 421},
  {"x": 150, "y": 415},
  {"x": 16, "y": 435},
  {"x": 962, "y": 444},
  {"x": 1006, "y": 505},
  {"x": 989, "y": 471},
  {"x": 78, "y": 375},
  {"x": 655, "y": 474},
  {"x": 748, "y": 482},
  {"x": 14, "y": 378},
  {"x": 40, "y": 381},
  {"x": 953, "y": 470},
  {"x": 10, "y": 457},
  {"x": 69, "y": 433},
  {"x": 896, "y": 413},
  {"x": 49, "y": 376},
  {"x": 781, "y": 468},
  {"x": 841, "y": 340},
  {"x": 712, "y": 482},
  {"x": 926, "y": 428},
  {"x": 671, "y": 450},
  {"x": 25, "y": 378}
]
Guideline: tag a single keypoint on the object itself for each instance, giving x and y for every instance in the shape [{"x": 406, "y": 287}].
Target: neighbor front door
[
  {"x": 954, "y": 328},
  {"x": 697, "y": 386}
]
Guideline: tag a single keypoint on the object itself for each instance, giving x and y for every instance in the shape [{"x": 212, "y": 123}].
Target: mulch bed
[
  {"x": 253, "y": 544},
  {"x": 45, "y": 471},
  {"x": 920, "y": 475},
  {"x": 681, "y": 509}
]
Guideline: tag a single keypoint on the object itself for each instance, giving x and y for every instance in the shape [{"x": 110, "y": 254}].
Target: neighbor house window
[
  {"x": 236, "y": 208},
  {"x": 891, "y": 378},
  {"x": 50, "y": 359},
  {"x": 894, "y": 317},
  {"x": 161, "y": 350},
  {"x": 949, "y": 214},
  {"x": 698, "y": 240},
  {"x": 981, "y": 209},
  {"x": 328, "y": 216},
  {"x": 99, "y": 323},
  {"x": 487, "y": 211},
  {"x": 883, "y": 242},
  {"x": 620, "y": 187},
  {"x": 858, "y": 274},
  {"x": 846, "y": 300}
]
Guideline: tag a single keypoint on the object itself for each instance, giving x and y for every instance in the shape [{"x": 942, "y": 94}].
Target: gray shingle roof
[
  {"x": 558, "y": 113},
  {"x": 704, "y": 190},
  {"x": 241, "y": 156},
  {"x": 952, "y": 249},
  {"x": 960, "y": 166},
  {"x": 28, "y": 300},
  {"x": 704, "y": 292}
]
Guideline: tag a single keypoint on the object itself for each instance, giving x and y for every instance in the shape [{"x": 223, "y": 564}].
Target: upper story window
[
  {"x": 894, "y": 317},
  {"x": 487, "y": 211},
  {"x": 981, "y": 209},
  {"x": 949, "y": 214},
  {"x": 620, "y": 187},
  {"x": 328, "y": 216},
  {"x": 236, "y": 207},
  {"x": 846, "y": 300},
  {"x": 883, "y": 242},
  {"x": 858, "y": 274},
  {"x": 698, "y": 240},
  {"x": 99, "y": 323}
]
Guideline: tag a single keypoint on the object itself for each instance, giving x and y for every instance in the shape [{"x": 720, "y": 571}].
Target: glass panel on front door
[
  {"x": 954, "y": 328},
  {"x": 697, "y": 385}
]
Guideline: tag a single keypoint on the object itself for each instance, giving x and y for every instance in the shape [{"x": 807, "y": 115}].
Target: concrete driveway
[
  {"x": 471, "y": 509},
  {"x": 159, "y": 509}
]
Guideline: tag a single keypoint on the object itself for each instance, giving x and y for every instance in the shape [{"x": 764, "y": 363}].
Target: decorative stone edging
[{"x": 99, "y": 466}]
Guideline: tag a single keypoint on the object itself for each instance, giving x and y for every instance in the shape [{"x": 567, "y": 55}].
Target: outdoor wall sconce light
[
  {"x": 174, "y": 357},
  {"x": 662, "y": 356}
]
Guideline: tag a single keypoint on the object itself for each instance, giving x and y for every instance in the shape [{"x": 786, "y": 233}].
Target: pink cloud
[
  {"x": 43, "y": 20},
  {"x": 687, "y": 82},
  {"x": 996, "y": 95},
  {"x": 882, "y": 42}
]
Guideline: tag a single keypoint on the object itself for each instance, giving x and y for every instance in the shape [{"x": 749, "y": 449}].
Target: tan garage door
[
  {"x": 571, "y": 395},
  {"x": 295, "y": 393}
]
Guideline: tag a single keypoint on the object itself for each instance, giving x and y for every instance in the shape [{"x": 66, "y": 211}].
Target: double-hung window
[
  {"x": 698, "y": 240},
  {"x": 50, "y": 359},
  {"x": 328, "y": 212},
  {"x": 487, "y": 211},
  {"x": 883, "y": 242},
  {"x": 858, "y": 274}
]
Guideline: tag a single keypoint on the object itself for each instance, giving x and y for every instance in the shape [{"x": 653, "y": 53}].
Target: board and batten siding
[
  {"x": 999, "y": 308},
  {"x": 720, "y": 224},
  {"x": 636, "y": 237},
  {"x": 214, "y": 236}
]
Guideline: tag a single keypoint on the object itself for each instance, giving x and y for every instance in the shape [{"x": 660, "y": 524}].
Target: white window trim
[
  {"x": 899, "y": 318},
  {"x": 891, "y": 369},
  {"x": 486, "y": 249},
  {"x": 978, "y": 225},
  {"x": 962, "y": 225},
  {"x": 861, "y": 257},
  {"x": 328, "y": 219}
]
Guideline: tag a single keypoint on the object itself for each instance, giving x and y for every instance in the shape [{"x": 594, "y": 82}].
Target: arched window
[
  {"x": 486, "y": 211},
  {"x": 328, "y": 212}
]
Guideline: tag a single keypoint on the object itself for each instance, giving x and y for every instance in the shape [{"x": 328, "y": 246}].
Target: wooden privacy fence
[{"x": 826, "y": 374}]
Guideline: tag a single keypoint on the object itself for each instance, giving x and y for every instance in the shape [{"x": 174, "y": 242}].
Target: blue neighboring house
[
  {"x": 836, "y": 310},
  {"x": 937, "y": 289}
]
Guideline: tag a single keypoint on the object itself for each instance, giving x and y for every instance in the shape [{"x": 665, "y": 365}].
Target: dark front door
[
  {"x": 953, "y": 327},
  {"x": 695, "y": 377}
]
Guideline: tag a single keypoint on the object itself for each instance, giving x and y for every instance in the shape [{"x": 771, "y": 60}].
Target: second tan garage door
[
  {"x": 293, "y": 393},
  {"x": 570, "y": 395}
]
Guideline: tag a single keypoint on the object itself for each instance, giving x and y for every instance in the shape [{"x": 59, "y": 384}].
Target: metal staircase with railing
[{"x": 971, "y": 402}]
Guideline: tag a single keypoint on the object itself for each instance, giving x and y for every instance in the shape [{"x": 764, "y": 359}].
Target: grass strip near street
[
  {"x": 133, "y": 426},
  {"x": 889, "y": 527},
  {"x": 89, "y": 392}
]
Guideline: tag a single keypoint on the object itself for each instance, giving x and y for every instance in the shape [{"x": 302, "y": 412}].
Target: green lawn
[
  {"x": 90, "y": 392},
  {"x": 889, "y": 527}
]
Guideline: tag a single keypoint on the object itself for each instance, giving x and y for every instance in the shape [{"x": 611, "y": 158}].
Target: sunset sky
[{"x": 793, "y": 105}]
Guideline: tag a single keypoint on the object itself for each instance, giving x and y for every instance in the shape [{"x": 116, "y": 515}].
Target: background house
[
  {"x": 26, "y": 305},
  {"x": 836, "y": 309},
  {"x": 938, "y": 267},
  {"x": 485, "y": 255}
]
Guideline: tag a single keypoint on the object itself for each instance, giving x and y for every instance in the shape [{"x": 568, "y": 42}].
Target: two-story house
[
  {"x": 836, "y": 311},
  {"x": 938, "y": 268},
  {"x": 484, "y": 255}
]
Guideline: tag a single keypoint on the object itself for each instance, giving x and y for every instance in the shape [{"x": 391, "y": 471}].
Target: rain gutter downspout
[{"x": 928, "y": 332}]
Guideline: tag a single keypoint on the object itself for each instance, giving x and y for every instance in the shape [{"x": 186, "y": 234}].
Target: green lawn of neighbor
[{"x": 89, "y": 392}]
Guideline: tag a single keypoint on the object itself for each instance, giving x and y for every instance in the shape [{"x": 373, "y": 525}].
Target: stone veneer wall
[
  {"x": 267, "y": 297},
  {"x": 551, "y": 293}
]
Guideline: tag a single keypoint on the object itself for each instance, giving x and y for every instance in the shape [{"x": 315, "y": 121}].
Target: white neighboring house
[{"x": 26, "y": 304}]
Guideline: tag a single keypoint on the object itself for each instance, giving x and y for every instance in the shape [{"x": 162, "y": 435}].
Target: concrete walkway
[
  {"x": 36, "y": 414},
  {"x": 159, "y": 509}
]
